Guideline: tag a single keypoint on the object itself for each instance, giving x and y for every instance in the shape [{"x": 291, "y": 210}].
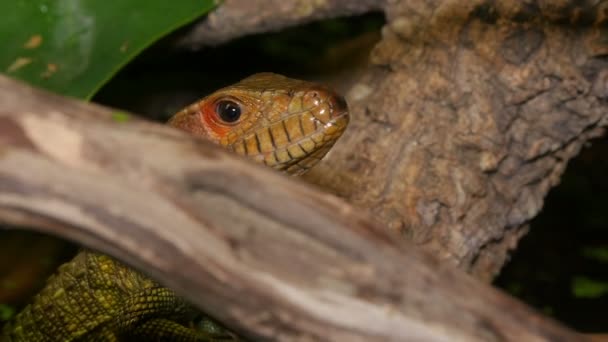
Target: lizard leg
[
  {"x": 101, "y": 334},
  {"x": 161, "y": 329},
  {"x": 157, "y": 313}
]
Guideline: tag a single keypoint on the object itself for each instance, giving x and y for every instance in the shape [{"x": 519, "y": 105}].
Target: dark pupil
[{"x": 228, "y": 111}]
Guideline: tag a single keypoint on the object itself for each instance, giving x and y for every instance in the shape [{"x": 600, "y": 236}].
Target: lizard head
[{"x": 284, "y": 123}]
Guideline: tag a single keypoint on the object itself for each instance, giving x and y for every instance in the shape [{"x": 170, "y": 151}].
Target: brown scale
[{"x": 284, "y": 123}]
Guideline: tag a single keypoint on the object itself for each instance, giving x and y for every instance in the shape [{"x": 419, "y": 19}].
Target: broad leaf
[{"x": 73, "y": 47}]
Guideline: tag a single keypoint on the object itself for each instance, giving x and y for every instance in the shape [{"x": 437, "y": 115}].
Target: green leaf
[
  {"x": 73, "y": 47},
  {"x": 599, "y": 254},
  {"x": 6, "y": 312},
  {"x": 583, "y": 287}
]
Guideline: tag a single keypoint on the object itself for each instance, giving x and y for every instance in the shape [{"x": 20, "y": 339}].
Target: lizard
[{"x": 285, "y": 123}]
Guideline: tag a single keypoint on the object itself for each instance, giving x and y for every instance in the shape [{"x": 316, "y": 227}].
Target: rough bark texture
[
  {"x": 468, "y": 119},
  {"x": 229, "y": 235}
]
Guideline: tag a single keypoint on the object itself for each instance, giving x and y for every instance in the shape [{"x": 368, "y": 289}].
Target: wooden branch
[
  {"x": 236, "y": 18},
  {"x": 268, "y": 255}
]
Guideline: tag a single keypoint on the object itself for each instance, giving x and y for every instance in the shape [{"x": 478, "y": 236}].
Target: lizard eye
[{"x": 228, "y": 111}]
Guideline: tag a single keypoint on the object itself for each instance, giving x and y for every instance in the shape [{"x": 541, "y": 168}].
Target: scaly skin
[{"x": 284, "y": 123}]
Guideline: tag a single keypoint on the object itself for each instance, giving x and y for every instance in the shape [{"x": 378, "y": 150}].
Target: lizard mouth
[{"x": 302, "y": 137}]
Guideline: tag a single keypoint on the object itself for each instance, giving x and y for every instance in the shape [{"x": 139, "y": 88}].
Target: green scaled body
[{"x": 96, "y": 298}]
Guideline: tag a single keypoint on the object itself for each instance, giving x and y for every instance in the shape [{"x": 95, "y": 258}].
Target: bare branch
[{"x": 236, "y": 18}]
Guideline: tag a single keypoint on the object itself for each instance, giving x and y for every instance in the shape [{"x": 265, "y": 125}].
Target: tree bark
[
  {"x": 229, "y": 235},
  {"x": 466, "y": 118}
]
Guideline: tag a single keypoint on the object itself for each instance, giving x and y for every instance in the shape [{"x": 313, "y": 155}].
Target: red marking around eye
[{"x": 211, "y": 119}]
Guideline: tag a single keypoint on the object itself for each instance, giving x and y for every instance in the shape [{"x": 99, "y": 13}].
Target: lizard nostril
[
  {"x": 322, "y": 94},
  {"x": 339, "y": 103}
]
